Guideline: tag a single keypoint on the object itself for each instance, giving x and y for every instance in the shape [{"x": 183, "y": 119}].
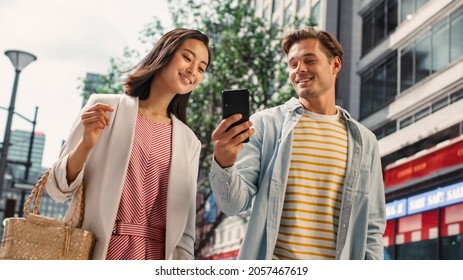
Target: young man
[{"x": 310, "y": 172}]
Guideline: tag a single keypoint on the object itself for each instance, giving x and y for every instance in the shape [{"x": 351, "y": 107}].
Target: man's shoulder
[
  {"x": 278, "y": 110},
  {"x": 364, "y": 131}
]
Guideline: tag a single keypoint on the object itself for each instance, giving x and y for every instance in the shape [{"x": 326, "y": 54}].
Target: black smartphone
[{"x": 236, "y": 101}]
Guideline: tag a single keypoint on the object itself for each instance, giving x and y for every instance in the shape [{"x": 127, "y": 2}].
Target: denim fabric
[{"x": 257, "y": 183}]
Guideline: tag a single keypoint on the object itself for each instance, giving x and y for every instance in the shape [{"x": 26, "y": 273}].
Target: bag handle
[{"x": 37, "y": 193}]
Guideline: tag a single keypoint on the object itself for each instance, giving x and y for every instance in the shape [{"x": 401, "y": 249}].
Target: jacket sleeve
[
  {"x": 377, "y": 210},
  {"x": 57, "y": 185},
  {"x": 235, "y": 187},
  {"x": 185, "y": 248}
]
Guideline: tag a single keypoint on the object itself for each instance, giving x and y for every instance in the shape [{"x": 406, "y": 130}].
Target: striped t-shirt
[{"x": 309, "y": 222}]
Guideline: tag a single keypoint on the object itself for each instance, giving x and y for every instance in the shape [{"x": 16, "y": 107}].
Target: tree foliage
[{"x": 246, "y": 53}]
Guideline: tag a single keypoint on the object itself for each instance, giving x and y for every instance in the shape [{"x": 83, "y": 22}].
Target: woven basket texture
[
  {"x": 43, "y": 238},
  {"x": 37, "y": 237}
]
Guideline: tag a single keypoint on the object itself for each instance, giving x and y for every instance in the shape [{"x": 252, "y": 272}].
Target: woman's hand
[{"x": 94, "y": 120}]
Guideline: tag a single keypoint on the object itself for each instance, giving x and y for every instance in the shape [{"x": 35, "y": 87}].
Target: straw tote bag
[{"x": 37, "y": 237}]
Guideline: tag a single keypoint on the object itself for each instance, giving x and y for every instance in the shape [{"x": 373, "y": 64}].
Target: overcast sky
[{"x": 69, "y": 38}]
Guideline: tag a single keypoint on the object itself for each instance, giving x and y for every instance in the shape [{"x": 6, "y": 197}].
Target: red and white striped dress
[{"x": 139, "y": 230}]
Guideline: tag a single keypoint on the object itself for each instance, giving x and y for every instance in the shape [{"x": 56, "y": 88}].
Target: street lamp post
[
  {"x": 20, "y": 60},
  {"x": 31, "y": 144}
]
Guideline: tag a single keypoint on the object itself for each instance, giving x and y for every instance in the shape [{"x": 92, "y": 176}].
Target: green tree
[{"x": 246, "y": 53}]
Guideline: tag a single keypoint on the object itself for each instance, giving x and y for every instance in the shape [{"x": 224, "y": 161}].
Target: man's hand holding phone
[{"x": 234, "y": 129}]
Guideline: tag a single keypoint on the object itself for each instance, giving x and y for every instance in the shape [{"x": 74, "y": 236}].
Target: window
[
  {"x": 257, "y": 5},
  {"x": 300, "y": 4},
  {"x": 406, "y": 8},
  {"x": 456, "y": 34},
  {"x": 379, "y": 90},
  {"x": 266, "y": 13},
  {"x": 379, "y": 23},
  {"x": 452, "y": 247},
  {"x": 276, "y": 5},
  {"x": 420, "y": 3},
  {"x": 390, "y": 128},
  {"x": 383, "y": 19},
  {"x": 392, "y": 15},
  {"x": 367, "y": 33},
  {"x": 316, "y": 13},
  {"x": 406, "y": 122},
  {"x": 366, "y": 100},
  {"x": 422, "y": 250},
  {"x": 391, "y": 79},
  {"x": 418, "y": 241},
  {"x": 439, "y": 104},
  {"x": 456, "y": 96},
  {"x": 423, "y": 58},
  {"x": 406, "y": 68},
  {"x": 287, "y": 16},
  {"x": 421, "y": 114},
  {"x": 440, "y": 46},
  {"x": 378, "y": 87}
]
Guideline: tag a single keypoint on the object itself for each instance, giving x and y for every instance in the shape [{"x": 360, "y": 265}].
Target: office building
[
  {"x": 402, "y": 77},
  {"x": 19, "y": 151}
]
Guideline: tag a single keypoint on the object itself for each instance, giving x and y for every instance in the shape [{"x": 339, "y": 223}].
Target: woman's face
[{"x": 186, "y": 69}]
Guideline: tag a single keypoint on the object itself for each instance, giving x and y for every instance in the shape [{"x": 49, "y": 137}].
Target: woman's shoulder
[
  {"x": 101, "y": 97},
  {"x": 113, "y": 99}
]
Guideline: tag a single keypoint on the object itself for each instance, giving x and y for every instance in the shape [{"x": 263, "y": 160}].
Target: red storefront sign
[{"x": 419, "y": 167}]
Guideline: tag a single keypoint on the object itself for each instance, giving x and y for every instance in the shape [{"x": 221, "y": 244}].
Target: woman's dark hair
[
  {"x": 332, "y": 47},
  {"x": 138, "y": 84}
]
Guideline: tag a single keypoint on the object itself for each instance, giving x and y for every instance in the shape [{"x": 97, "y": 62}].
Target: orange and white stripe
[{"x": 308, "y": 227}]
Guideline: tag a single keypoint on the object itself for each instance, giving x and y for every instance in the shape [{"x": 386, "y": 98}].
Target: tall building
[
  {"x": 411, "y": 96},
  {"x": 18, "y": 189},
  {"x": 92, "y": 83},
  {"x": 402, "y": 77},
  {"x": 19, "y": 152}
]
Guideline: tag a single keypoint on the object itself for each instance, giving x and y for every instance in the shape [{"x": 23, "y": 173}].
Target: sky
[{"x": 69, "y": 38}]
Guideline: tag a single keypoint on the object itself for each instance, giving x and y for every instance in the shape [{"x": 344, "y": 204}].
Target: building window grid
[
  {"x": 315, "y": 13},
  {"x": 410, "y": 71},
  {"x": 383, "y": 18},
  {"x": 266, "y": 13},
  {"x": 288, "y": 14},
  {"x": 276, "y": 5},
  {"x": 421, "y": 113}
]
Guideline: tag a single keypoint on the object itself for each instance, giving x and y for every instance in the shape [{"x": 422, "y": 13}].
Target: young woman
[{"x": 137, "y": 158}]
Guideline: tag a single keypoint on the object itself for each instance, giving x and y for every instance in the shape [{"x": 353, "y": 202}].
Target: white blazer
[{"x": 105, "y": 171}]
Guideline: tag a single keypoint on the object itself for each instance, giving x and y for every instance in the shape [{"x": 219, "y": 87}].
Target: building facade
[
  {"x": 411, "y": 96},
  {"x": 17, "y": 189},
  {"x": 402, "y": 77},
  {"x": 19, "y": 153}
]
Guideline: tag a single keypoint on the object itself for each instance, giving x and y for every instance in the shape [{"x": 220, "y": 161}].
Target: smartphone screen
[{"x": 236, "y": 101}]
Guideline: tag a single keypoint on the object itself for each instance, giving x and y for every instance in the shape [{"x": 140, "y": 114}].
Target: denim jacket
[{"x": 257, "y": 182}]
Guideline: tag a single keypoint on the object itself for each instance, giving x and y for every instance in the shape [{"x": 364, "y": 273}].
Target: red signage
[{"x": 437, "y": 158}]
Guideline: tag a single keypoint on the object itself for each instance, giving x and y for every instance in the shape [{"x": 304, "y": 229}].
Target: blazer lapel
[
  {"x": 178, "y": 190},
  {"x": 120, "y": 145}
]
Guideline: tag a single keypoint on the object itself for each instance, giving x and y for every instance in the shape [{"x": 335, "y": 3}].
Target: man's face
[{"x": 310, "y": 71}]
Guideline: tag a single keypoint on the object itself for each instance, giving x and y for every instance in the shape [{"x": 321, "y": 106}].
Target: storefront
[{"x": 426, "y": 223}]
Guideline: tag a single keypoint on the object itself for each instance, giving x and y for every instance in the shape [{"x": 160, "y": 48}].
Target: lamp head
[{"x": 20, "y": 59}]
